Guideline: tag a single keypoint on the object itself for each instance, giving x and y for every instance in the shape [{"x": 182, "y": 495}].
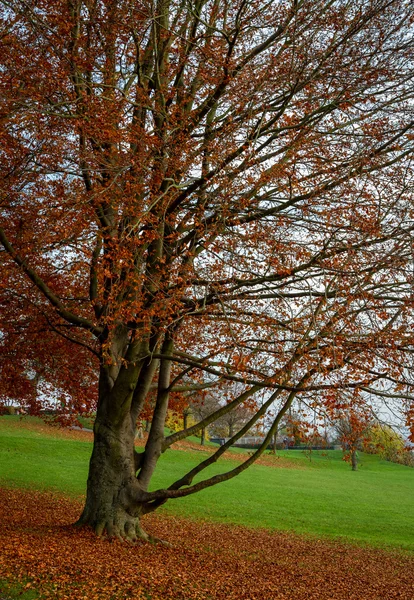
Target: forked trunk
[
  {"x": 109, "y": 505},
  {"x": 115, "y": 497}
]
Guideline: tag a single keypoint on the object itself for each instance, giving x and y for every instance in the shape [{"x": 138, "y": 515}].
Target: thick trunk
[
  {"x": 115, "y": 498},
  {"x": 110, "y": 506}
]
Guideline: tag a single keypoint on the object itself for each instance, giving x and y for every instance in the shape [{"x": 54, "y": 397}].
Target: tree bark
[
  {"x": 119, "y": 476},
  {"x": 109, "y": 505},
  {"x": 112, "y": 503}
]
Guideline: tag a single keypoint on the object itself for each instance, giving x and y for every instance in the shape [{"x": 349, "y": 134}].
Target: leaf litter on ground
[{"x": 40, "y": 547}]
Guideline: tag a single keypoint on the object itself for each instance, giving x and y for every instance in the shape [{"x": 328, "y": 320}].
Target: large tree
[{"x": 202, "y": 191}]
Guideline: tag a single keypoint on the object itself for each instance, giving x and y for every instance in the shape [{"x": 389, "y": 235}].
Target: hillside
[{"x": 320, "y": 497}]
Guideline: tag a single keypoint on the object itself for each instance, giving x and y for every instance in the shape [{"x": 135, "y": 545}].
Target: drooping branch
[
  {"x": 163, "y": 494},
  {"x": 187, "y": 479}
]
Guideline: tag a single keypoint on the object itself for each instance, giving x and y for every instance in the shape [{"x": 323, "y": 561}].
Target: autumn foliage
[{"x": 197, "y": 193}]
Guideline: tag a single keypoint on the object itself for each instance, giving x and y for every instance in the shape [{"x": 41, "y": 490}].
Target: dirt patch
[{"x": 40, "y": 547}]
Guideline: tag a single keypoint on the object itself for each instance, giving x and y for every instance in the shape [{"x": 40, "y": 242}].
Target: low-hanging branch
[
  {"x": 162, "y": 494},
  {"x": 185, "y": 433},
  {"x": 188, "y": 478}
]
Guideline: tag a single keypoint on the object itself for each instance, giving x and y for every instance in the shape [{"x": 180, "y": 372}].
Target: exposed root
[
  {"x": 130, "y": 531},
  {"x": 126, "y": 530},
  {"x": 118, "y": 524},
  {"x": 150, "y": 538},
  {"x": 155, "y": 540}
]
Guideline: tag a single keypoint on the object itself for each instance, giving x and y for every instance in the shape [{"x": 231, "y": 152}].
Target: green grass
[
  {"x": 9, "y": 591},
  {"x": 28, "y": 458},
  {"x": 322, "y": 497}
]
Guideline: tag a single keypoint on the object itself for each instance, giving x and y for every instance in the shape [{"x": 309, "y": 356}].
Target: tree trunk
[
  {"x": 203, "y": 436},
  {"x": 112, "y": 499},
  {"x": 354, "y": 460},
  {"x": 115, "y": 497}
]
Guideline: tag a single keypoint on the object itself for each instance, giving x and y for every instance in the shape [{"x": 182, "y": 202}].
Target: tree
[
  {"x": 229, "y": 423},
  {"x": 202, "y": 407},
  {"x": 389, "y": 444},
  {"x": 212, "y": 190},
  {"x": 216, "y": 397},
  {"x": 353, "y": 427}
]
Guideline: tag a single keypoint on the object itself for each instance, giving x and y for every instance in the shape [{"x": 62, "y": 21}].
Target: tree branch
[{"x": 46, "y": 291}]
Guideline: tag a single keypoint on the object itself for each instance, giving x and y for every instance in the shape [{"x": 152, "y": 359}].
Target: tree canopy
[{"x": 204, "y": 191}]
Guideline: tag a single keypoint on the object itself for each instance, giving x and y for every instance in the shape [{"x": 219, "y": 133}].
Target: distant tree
[
  {"x": 352, "y": 426},
  {"x": 231, "y": 422},
  {"x": 186, "y": 414},
  {"x": 202, "y": 406},
  {"x": 295, "y": 427},
  {"x": 388, "y": 444}
]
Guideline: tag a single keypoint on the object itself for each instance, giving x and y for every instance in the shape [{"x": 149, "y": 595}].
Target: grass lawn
[{"x": 321, "y": 498}]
